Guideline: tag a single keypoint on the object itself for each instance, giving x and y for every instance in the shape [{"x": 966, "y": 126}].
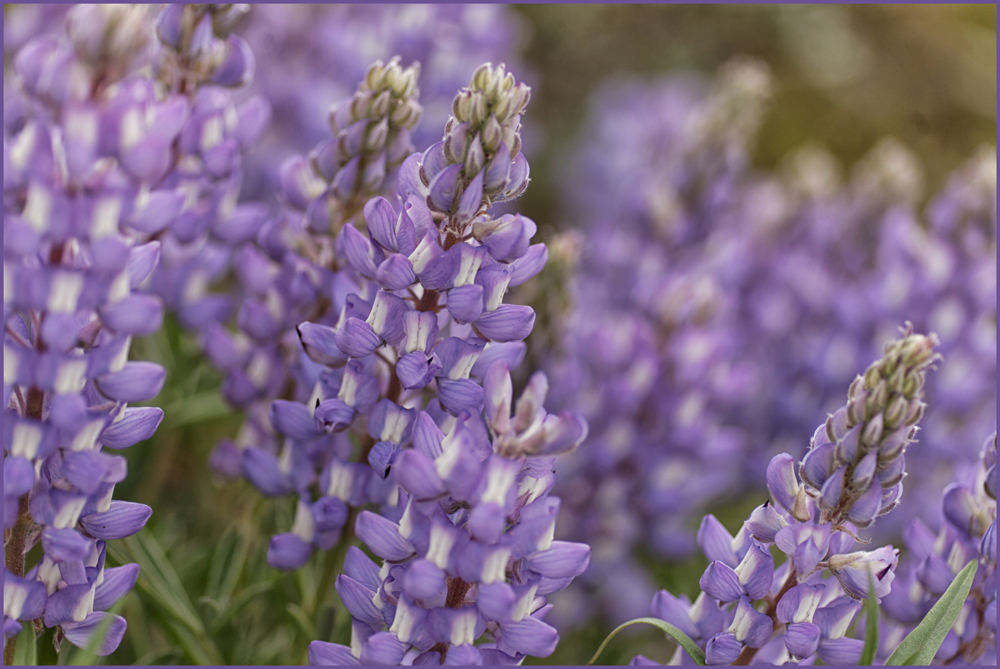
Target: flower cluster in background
[{"x": 392, "y": 421}]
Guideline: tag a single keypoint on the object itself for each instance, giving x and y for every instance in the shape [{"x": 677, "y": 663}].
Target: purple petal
[
  {"x": 832, "y": 490},
  {"x": 934, "y": 574},
  {"x": 799, "y": 603},
  {"x": 288, "y": 551},
  {"x": 395, "y": 272},
  {"x": 865, "y": 509},
  {"x": 335, "y": 414},
  {"x": 122, "y": 520},
  {"x": 841, "y": 652},
  {"x": 722, "y": 583},
  {"x": 802, "y": 639},
  {"x": 751, "y": 626},
  {"x": 357, "y": 598},
  {"x": 320, "y": 344},
  {"x": 262, "y": 470},
  {"x": 471, "y": 200},
  {"x": 80, "y": 634},
  {"x": 528, "y": 265},
  {"x": 424, "y": 580},
  {"x": 383, "y": 649},
  {"x": 756, "y": 572},
  {"x": 460, "y": 395},
  {"x": 137, "y": 424},
  {"x": 67, "y": 603},
  {"x": 118, "y": 581},
  {"x": 323, "y": 654},
  {"x": 510, "y": 322},
  {"x": 381, "y": 221},
  {"x": 563, "y": 559},
  {"x": 293, "y": 419},
  {"x": 356, "y": 338},
  {"x": 413, "y": 370},
  {"x": 715, "y": 542},
  {"x": 562, "y": 433},
  {"x": 65, "y": 545},
  {"x": 417, "y": 475},
  {"x": 442, "y": 189},
  {"x": 834, "y": 620},
  {"x": 18, "y": 476},
  {"x": 465, "y": 303},
  {"x": 818, "y": 465},
  {"x": 959, "y": 508},
  {"x": 26, "y": 597},
  {"x": 722, "y": 649},
  {"x": 359, "y": 566},
  {"x": 137, "y": 382},
  {"x": 781, "y": 481},
  {"x": 764, "y": 523},
  {"x": 358, "y": 251},
  {"x": 382, "y": 537},
  {"x": 427, "y": 436},
  {"x": 238, "y": 65},
  {"x": 386, "y": 317},
  {"x": 530, "y": 636}
]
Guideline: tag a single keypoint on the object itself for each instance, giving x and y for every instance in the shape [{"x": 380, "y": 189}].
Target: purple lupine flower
[
  {"x": 462, "y": 471},
  {"x": 811, "y": 599},
  {"x": 75, "y": 259},
  {"x": 968, "y": 532}
]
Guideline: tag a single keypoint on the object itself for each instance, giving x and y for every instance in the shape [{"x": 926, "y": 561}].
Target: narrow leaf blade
[
  {"x": 680, "y": 637},
  {"x": 920, "y": 645},
  {"x": 26, "y": 651},
  {"x": 871, "y": 624}
]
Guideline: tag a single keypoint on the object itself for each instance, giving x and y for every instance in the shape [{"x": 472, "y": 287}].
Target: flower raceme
[{"x": 810, "y": 600}]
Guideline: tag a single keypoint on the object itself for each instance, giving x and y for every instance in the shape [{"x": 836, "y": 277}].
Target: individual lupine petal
[
  {"x": 293, "y": 419},
  {"x": 891, "y": 498},
  {"x": 417, "y": 475},
  {"x": 137, "y": 424},
  {"x": 509, "y": 322},
  {"x": 323, "y": 654},
  {"x": 715, "y": 542},
  {"x": 299, "y": 183},
  {"x": 843, "y": 652},
  {"x": 988, "y": 546},
  {"x": 427, "y": 436},
  {"x": 934, "y": 574},
  {"x": 122, "y": 520},
  {"x": 990, "y": 616},
  {"x": 749, "y": 625},
  {"x": 562, "y": 433},
  {"x": 443, "y": 187},
  {"x": 864, "y": 471},
  {"x": 465, "y": 303},
  {"x": 494, "y": 279},
  {"x": 959, "y": 507},
  {"x": 288, "y": 551},
  {"x": 242, "y": 225},
  {"x": 497, "y": 394},
  {"x": 806, "y": 543},
  {"x": 518, "y": 179},
  {"x": 852, "y": 571},
  {"x": 460, "y": 395},
  {"x": 320, "y": 344},
  {"x": 65, "y": 545},
  {"x": 238, "y": 65},
  {"x": 456, "y": 356},
  {"x": 390, "y": 422},
  {"x": 420, "y": 329},
  {"x": 335, "y": 414},
  {"x": 357, "y": 599},
  {"x": 720, "y": 582},
  {"x": 382, "y": 537},
  {"x": 263, "y": 471},
  {"x": 764, "y": 523},
  {"x": 508, "y": 237},
  {"x": 562, "y": 560},
  {"x": 358, "y": 251},
  {"x": 674, "y": 611},
  {"x": 386, "y": 317},
  {"x": 79, "y": 634},
  {"x": 359, "y": 566},
  {"x": 756, "y": 572},
  {"x": 799, "y": 604},
  {"x": 470, "y": 201},
  {"x": 69, "y": 603},
  {"x": 118, "y": 581},
  {"x": 802, "y": 639},
  {"x": 24, "y": 599},
  {"x": 329, "y": 514},
  {"x": 381, "y": 221},
  {"x": 383, "y": 649},
  {"x": 892, "y": 472},
  {"x": 465, "y": 655},
  {"x": 357, "y": 338},
  {"x": 18, "y": 476},
  {"x": 414, "y": 371},
  {"x": 866, "y": 508},
  {"x": 833, "y": 490},
  {"x": 395, "y": 272},
  {"x": 432, "y": 162},
  {"x": 781, "y": 481},
  {"x": 424, "y": 580},
  {"x": 136, "y": 382},
  {"x": 530, "y": 636},
  {"x": 528, "y": 265},
  {"x": 722, "y": 649},
  {"x": 59, "y": 508}
]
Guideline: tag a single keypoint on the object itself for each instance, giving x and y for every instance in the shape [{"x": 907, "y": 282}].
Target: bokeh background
[{"x": 845, "y": 77}]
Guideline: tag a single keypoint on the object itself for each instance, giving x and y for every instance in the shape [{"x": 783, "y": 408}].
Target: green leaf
[
  {"x": 306, "y": 625},
  {"x": 169, "y": 655},
  {"x": 680, "y": 637},
  {"x": 871, "y": 624},
  {"x": 920, "y": 645},
  {"x": 26, "y": 651},
  {"x": 157, "y": 578},
  {"x": 228, "y": 559},
  {"x": 200, "y": 649},
  {"x": 194, "y": 409}
]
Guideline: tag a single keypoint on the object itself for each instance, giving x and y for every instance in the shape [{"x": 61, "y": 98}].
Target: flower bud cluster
[
  {"x": 197, "y": 47},
  {"x": 806, "y": 615},
  {"x": 855, "y": 465},
  {"x": 968, "y": 533},
  {"x": 479, "y": 161},
  {"x": 371, "y": 138}
]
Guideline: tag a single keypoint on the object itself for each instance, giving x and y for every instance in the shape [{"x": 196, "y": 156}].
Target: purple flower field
[{"x": 478, "y": 334}]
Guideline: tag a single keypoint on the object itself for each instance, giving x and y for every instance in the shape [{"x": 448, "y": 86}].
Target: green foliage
[
  {"x": 680, "y": 637},
  {"x": 26, "y": 652},
  {"x": 920, "y": 645},
  {"x": 871, "y": 624}
]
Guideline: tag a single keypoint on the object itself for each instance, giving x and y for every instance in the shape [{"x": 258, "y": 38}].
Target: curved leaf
[
  {"x": 680, "y": 637},
  {"x": 920, "y": 645},
  {"x": 871, "y": 624}
]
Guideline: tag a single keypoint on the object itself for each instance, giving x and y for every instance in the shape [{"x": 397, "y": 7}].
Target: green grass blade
[
  {"x": 26, "y": 651},
  {"x": 680, "y": 637},
  {"x": 228, "y": 560},
  {"x": 871, "y": 624},
  {"x": 920, "y": 645}
]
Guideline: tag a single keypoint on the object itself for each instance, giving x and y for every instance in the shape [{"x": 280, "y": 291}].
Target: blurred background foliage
[{"x": 846, "y": 76}]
